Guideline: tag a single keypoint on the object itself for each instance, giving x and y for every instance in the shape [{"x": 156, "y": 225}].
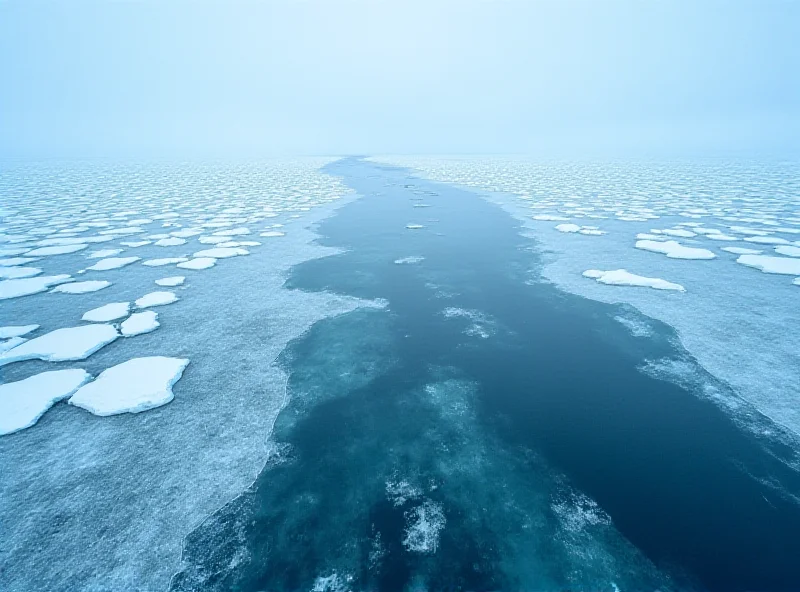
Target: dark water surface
[{"x": 486, "y": 431}]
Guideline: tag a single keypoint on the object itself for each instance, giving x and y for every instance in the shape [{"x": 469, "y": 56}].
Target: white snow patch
[
  {"x": 131, "y": 387},
  {"x": 568, "y": 228},
  {"x": 621, "y": 277}
]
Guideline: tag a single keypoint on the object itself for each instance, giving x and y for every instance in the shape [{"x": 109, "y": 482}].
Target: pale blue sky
[{"x": 409, "y": 76}]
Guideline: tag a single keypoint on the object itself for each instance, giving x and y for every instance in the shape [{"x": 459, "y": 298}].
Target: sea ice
[
  {"x": 134, "y": 244},
  {"x": 22, "y": 403},
  {"x": 789, "y": 251},
  {"x": 761, "y": 240},
  {"x": 156, "y": 299},
  {"x": 27, "y": 286},
  {"x": 199, "y": 263},
  {"x": 14, "y": 261},
  {"x": 272, "y": 233},
  {"x": 409, "y": 260},
  {"x": 140, "y": 322},
  {"x": 220, "y": 253},
  {"x": 109, "y": 312},
  {"x": 170, "y": 242},
  {"x": 112, "y": 263},
  {"x": 767, "y": 264},
  {"x": 71, "y": 343},
  {"x": 741, "y": 250},
  {"x": 81, "y": 287},
  {"x": 165, "y": 261},
  {"x": 621, "y": 277},
  {"x": 549, "y": 218},
  {"x": 17, "y": 273},
  {"x": 412, "y": 226},
  {"x": 175, "y": 280},
  {"x": 680, "y": 232},
  {"x": 104, "y": 253},
  {"x": 674, "y": 250},
  {"x": 59, "y": 250},
  {"x": 131, "y": 387},
  {"x": 568, "y": 228},
  {"x": 232, "y": 232},
  {"x": 16, "y": 331}
]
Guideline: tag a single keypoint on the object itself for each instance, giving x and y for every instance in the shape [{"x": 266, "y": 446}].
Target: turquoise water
[{"x": 487, "y": 431}]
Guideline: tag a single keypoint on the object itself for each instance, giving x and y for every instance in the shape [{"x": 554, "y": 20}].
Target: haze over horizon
[{"x": 288, "y": 78}]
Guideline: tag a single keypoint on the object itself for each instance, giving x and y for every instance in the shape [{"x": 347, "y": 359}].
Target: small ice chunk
[
  {"x": 112, "y": 263},
  {"x": 22, "y": 403},
  {"x": 761, "y": 240},
  {"x": 108, "y": 312},
  {"x": 674, "y": 250},
  {"x": 767, "y": 264},
  {"x": 7, "y": 344},
  {"x": 549, "y": 218},
  {"x": 104, "y": 253},
  {"x": 71, "y": 343},
  {"x": 131, "y": 387},
  {"x": 16, "y": 330},
  {"x": 741, "y": 251},
  {"x": 409, "y": 260},
  {"x": 58, "y": 250},
  {"x": 213, "y": 240},
  {"x": 647, "y": 236},
  {"x": 220, "y": 253},
  {"x": 412, "y": 226},
  {"x": 81, "y": 287},
  {"x": 27, "y": 286},
  {"x": 272, "y": 233},
  {"x": 681, "y": 232},
  {"x": 621, "y": 277},
  {"x": 156, "y": 299},
  {"x": 164, "y": 261},
  {"x": 140, "y": 322},
  {"x": 789, "y": 251},
  {"x": 14, "y": 261},
  {"x": 718, "y": 236},
  {"x": 796, "y": 281},
  {"x": 134, "y": 244},
  {"x": 199, "y": 263},
  {"x": 175, "y": 280},
  {"x": 170, "y": 242},
  {"x": 17, "y": 273},
  {"x": 232, "y": 232},
  {"x": 568, "y": 228}
]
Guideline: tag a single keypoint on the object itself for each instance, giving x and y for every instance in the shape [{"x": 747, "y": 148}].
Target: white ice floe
[
  {"x": 718, "y": 236},
  {"x": 549, "y": 218},
  {"x": 140, "y": 322},
  {"x": 22, "y": 403},
  {"x": 414, "y": 226},
  {"x": 674, "y": 250},
  {"x": 199, "y": 263},
  {"x": 568, "y": 228},
  {"x": 8, "y": 344},
  {"x": 156, "y": 299},
  {"x": 409, "y": 260},
  {"x": 71, "y": 343},
  {"x": 680, "y": 232},
  {"x": 768, "y": 264},
  {"x": 796, "y": 281},
  {"x": 220, "y": 253},
  {"x": 27, "y": 286},
  {"x": 135, "y": 244},
  {"x": 760, "y": 240},
  {"x": 104, "y": 253},
  {"x": 14, "y": 261},
  {"x": 741, "y": 250},
  {"x": 81, "y": 287},
  {"x": 58, "y": 250},
  {"x": 175, "y": 280},
  {"x": 213, "y": 240},
  {"x": 17, "y": 273},
  {"x": 788, "y": 250},
  {"x": 647, "y": 236},
  {"x": 164, "y": 261},
  {"x": 170, "y": 242},
  {"x": 232, "y": 232},
  {"x": 112, "y": 263},
  {"x": 16, "y": 330},
  {"x": 109, "y": 312},
  {"x": 131, "y": 387},
  {"x": 272, "y": 233},
  {"x": 621, "y": 277},
  {"x": 424, "y": 523}
]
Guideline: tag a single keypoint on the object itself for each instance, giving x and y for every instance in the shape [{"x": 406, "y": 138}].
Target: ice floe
[
  {"x": 16, "y": 330},
  {"x": 769, "y": 264},
  {"x": 568, "y": 227},
  {"x": 164, "y": 261},
  {"x": 170, "y": 242},
  {"x": 414, "y": 226},
  {"x": 156, "y": 299},
  {"x": 741, "y": 250},
  {"x": 199, "y": 263},
  {"x": 28, "y": 286},
  {"x": 621, "y": 277},
  {"x": 272, "y": 233},
  {"x": 220, "y": 253},
  {"x": 175, "y": 280},
  {"x": 674, "y": 249},
  {"x": 14, "y": 261},
  {"x": 139, "y": 323},
  {"x": 767, "y": 240},
  {"x": 17, "y": 273},
  {"x": 409, "y": 260},
  {"x": 788, "y": 250},
  {"x": 131, "y": 387},
  {"x": 81, "y": 287},
  {"x": 71, "y": 343},
  {"x": 58, "y": 250},
  {"x": 104, "y": 253},
  {"x": 108, "y": 312},
  {"x": 112, "y": 263},
  {"x": 22, "y": 403}
]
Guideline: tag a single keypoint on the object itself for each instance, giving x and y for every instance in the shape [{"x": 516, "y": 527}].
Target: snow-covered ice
[
  {"x": 170, "y": 242},
  {"x": 741, "y": 250},
  {"x": 16, "y": 273},
  {"x": 272, "y": 233},
  {"x": 568, "y": 227},
  {"x": 131, "y": 387},
  {"x": 199, "y": 263},
  {"x": 674, "y": 250},
  {"x": 58, "y": 250},
  {"x": 112, "y": 263},
  {"x": 175, "y": 280},
  {"x": 139, "y": 323},
  {"x": 164, "y": 261},
  {"x": 22, "y": 403},
  {"x": 104, "y": 253},
  {"x": 81, "y": 287},
  {"x": 414, "y": 226},
  {"x": 14, "y": 261},
  {"x": 71, "y": 343},
  {"x": 220, "y": 253},
  {"x": 768, "y": 264},
  {"x": 28, "y": 286},
  {"x": 108, "y": 312},
  {"x": 788, "y": 250},
  {"x": 156, "y": 299},
  {"x": 621, "y": 277},
  {"x": 16, "y": 330}
]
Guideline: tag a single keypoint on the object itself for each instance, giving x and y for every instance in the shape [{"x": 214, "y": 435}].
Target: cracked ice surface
[{"x": 195, "y": 454}]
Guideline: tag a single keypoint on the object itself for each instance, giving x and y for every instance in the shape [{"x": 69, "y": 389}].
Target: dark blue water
[{"x": 496, "y": 420}]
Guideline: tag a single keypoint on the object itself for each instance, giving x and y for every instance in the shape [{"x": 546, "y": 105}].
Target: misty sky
[{"x": 331, "y": 77}]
